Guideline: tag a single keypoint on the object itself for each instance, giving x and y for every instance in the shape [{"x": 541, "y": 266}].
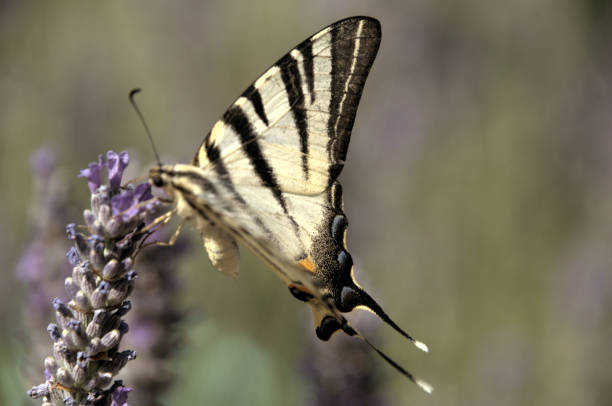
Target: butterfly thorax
[{"x": 193, "y": 193}]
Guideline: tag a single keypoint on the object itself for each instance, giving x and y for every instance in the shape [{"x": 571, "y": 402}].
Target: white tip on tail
[
  {"x": 421, "y": 346},
  {"x": 425, "y": 386}
]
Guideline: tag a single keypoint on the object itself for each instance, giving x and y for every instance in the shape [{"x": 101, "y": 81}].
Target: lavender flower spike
[{"x": 89, "y": 327}]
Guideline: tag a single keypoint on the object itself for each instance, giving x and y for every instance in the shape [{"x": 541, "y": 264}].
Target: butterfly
[{"x": 266, "y": 176}]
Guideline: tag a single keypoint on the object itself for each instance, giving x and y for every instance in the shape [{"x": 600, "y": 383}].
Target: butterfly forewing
[{"x": 299, "y": 113}]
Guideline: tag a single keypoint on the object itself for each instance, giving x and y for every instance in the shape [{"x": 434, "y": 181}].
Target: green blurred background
[{"x": 477, "y": 184}]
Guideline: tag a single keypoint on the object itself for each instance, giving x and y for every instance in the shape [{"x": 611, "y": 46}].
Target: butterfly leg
[
  {"x": 158, "y": 223},
  {"x": 173, "y": 238}
]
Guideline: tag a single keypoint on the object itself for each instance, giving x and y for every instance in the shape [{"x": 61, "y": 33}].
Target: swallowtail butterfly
[{"x": 266, "y": 176}]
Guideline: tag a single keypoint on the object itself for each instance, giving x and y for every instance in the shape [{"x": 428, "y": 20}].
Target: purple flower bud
[
  {"x": 104, "y": 287},
  {"x": 71, "y": 231},
  {"x": 54, "y": 332},
  {"x": 61, "y": 308},
  {"x": 41, "y": 390},
  {"x": 73, "y": 256},
  {"x": 81, "y": 300},
  {"x": 83, "y": 268},
  {"x": 111, "y": 270},
  {"x": 96, "y": 256},
  {"x": 74, "y": 324},
  {"x": 82, "y": 359},
  {"x": 79, "y": 372},
  {"x": 111, "y": 339}
]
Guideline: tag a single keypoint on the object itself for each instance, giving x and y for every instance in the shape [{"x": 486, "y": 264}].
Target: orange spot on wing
[{"x": 307, "y": 264}]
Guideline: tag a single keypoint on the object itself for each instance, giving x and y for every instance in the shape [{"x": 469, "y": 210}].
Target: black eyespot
[
  {"x": 157, "y": 181},
  {"x": 345, "y": 261},
  {"x": 338, "y": 226}
]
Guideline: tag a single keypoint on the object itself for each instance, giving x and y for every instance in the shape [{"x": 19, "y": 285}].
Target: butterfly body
[{"x": 266, "y": 174}]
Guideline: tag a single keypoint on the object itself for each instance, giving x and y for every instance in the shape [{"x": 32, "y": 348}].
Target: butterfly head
[
  {"x": 158, "y": 176},
  {"x": 161, "y": 176}
]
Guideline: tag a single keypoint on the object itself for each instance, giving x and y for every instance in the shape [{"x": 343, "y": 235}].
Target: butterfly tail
[
  {"x": 419, "y": 382},
  {"x": 354, "y": 296},
  {"x": 335, "y": 322}
]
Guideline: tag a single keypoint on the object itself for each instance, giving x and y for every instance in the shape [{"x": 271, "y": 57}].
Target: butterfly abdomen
[{"x": 222, "y": 250}]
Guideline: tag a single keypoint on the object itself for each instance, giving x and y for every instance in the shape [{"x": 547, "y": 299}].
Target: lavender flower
[{"x": 89, "y": 327}]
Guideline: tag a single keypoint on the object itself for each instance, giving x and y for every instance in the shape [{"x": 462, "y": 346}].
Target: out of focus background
[{"x": 478, "y": 188}]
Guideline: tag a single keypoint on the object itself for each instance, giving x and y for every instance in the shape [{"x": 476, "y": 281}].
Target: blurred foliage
[{"x": 477, "y": 184}]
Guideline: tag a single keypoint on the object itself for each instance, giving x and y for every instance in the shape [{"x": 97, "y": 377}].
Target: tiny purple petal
[
  {"x": 93, "y": 174},
  {"x": 122, "y": 205},
  {"x": 143, "y": 192},
  {"x": 120, "y": 395},
  {"x": 116, "y": 164},
  {"x": 42, "y": 161},
  {"x": 125, "y": 205}
]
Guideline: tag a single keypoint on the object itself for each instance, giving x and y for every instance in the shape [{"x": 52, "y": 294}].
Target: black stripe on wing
[
  {"x": 354, "y": 44},
  {"x": 308, "y": 65},
  {"x": 290, "y": 74},
  {"x": 213, "y": 155},
  {"x": 239, "y": 122},
  {"x": 253, "y": 95}
]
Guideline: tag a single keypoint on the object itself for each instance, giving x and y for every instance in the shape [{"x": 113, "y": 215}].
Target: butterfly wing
[
  {"x": 266, "y": 173},
  {"x": 282, "y": 144}
]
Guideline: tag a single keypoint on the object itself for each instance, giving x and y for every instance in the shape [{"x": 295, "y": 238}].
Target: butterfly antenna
[{"x": 144, "y": 123}]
